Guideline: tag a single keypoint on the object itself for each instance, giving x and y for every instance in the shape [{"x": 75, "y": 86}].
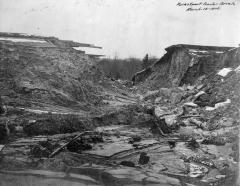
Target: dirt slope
[
  {"x": 183, "y": 64},
  {"x": 32, "y": 75}
]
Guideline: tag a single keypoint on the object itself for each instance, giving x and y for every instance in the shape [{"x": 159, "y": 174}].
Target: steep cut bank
[
  {"x": 34, "y": 76},
  {"x": 184, "y": 64}
]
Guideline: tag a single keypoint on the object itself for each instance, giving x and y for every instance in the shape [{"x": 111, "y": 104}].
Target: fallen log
[{"x": 63, "y": 146}]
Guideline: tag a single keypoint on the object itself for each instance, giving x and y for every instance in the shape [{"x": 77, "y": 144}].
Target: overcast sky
[{"x": 123, "y": 27}]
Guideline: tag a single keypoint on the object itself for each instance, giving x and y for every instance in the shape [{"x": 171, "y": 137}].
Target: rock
[
  {"x": 158, "y": 100},
  {"x": 159, "y": 127},
  {"x": 160, "y": 111},
  {"x": 134, "y": 139},
  {"x": 172, "y": 144},
  {"x": 193, "y": 144},
  {"x": 144, "y": 159},
  {"x": 127, "y": 163},
  {"x": 171, "y": 120}
]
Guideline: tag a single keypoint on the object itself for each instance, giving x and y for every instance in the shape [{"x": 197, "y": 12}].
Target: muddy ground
[{"x": 141, "y": 143}]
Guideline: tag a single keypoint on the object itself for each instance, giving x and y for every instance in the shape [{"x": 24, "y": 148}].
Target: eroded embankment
[{"x": 185, "y": 64}]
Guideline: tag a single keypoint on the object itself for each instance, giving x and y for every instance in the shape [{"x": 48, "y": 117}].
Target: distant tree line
[{"x": 124, "y": 68}]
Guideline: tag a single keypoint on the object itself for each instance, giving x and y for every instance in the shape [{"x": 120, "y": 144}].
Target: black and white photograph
[{"x": 119, "y": 92}]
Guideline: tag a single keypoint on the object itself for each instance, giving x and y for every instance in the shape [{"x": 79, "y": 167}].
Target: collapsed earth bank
[{"x": 64, "y": 120}]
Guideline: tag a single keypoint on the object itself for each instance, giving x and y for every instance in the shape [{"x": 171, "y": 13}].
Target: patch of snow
[
  {"x": 210, "y": 108},
  {"x": 237, "y": 69},
  {"x": 218, "y": 105},
  {"x": 190, "y": 104},
  {"x": 1, "y": 147},
  {"x": 224, "y": 72},
  {"x": 202, "y": 51},
  {"x": 228, "y": 101},
  {"x": 195, "y": 54},
  {"x": 189, "y": 87},
  {"x": 22, "y": 40},
  {"x": 87, "y": 50},
  {"x": 220, "y": 176},
  {"x": 199, "y": 94}
]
